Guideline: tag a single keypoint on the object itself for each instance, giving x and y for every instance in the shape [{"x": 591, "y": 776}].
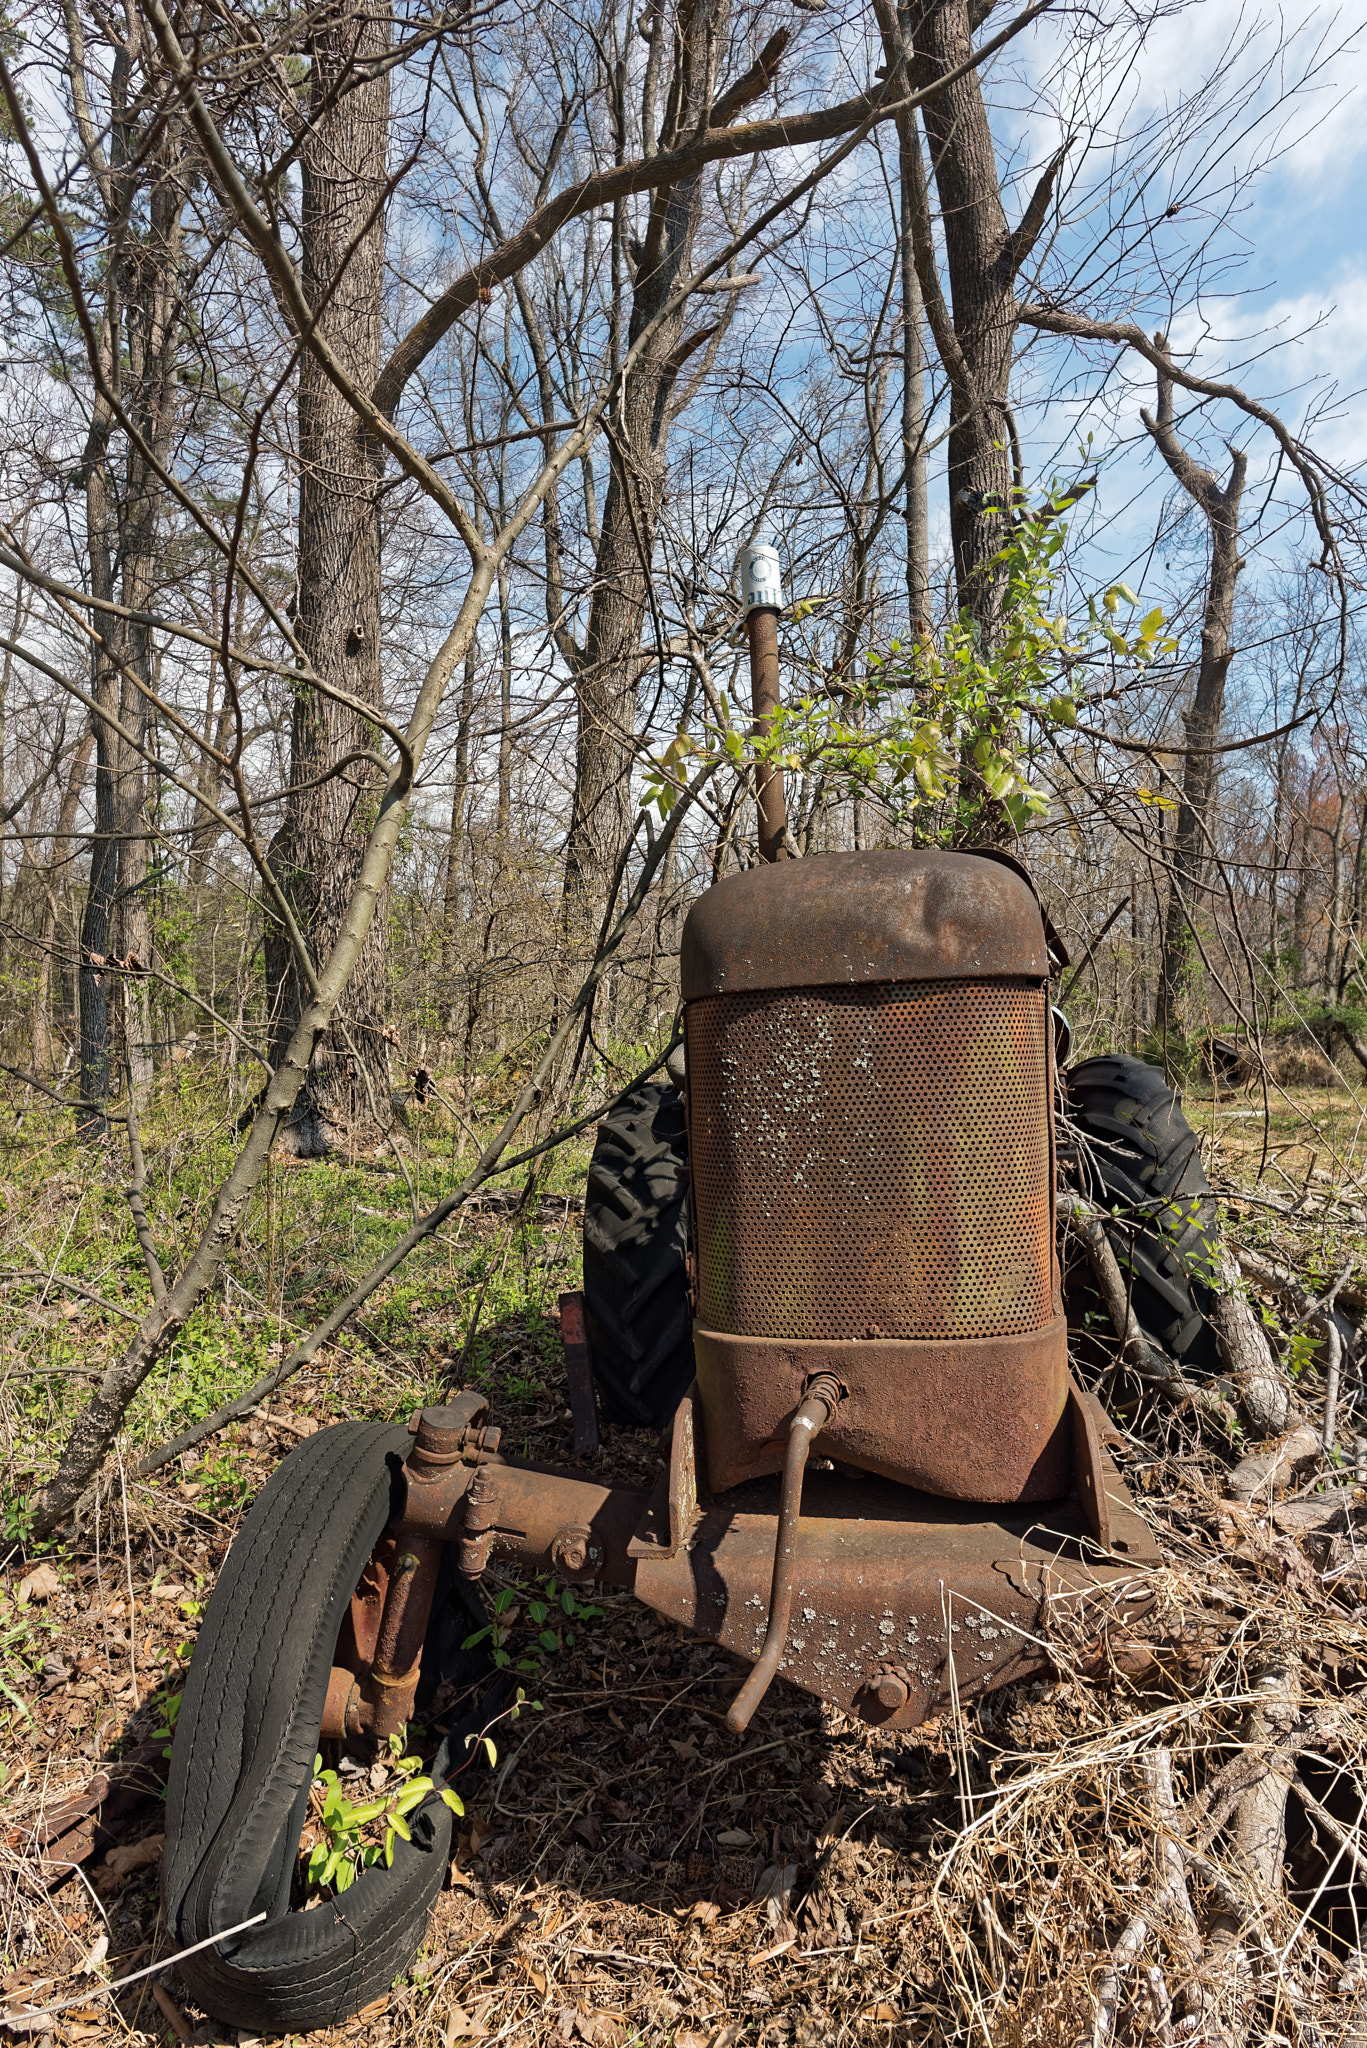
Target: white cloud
[{"x": 1299, "y": 79}]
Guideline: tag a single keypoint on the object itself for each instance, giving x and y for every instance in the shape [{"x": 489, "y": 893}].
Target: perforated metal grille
[{"x": 872, "y": 1161}]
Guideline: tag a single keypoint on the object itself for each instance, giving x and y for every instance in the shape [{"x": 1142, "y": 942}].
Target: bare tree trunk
[
  {"x": 917, "y": 512},
  {"x": 23, "y": 604},
  {"x": 1334, "y": 943},
  {"x": 1278, "y": 867},
  {"x": 1351, "y": 957},
  {"x": 1300, "y": 911},
  {"x": 139, "y": 339},
  {"x": 1203, "y": 721},
  {"x": 40, "y": 1012},
  {"x": 505, "y": 710},
  {"x": 612, "y": 660},
  {"x": 975, "y": 334},
  {"x": 97, "y": 920},
  {"x": 318, "y": 851},
  {"x": 455, "y": 838}
]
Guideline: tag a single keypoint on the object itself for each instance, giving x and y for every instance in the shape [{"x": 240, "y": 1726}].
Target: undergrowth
[{"x": 472, "y": 1305}]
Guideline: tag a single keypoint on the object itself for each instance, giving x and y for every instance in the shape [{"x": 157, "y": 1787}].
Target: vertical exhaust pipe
[{"x": 762, "y": 591}]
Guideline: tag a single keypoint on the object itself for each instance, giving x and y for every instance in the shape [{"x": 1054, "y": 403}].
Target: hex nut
[
  {"x": 892, "y": 1690},
  {"x": 570, "y": 1549}
]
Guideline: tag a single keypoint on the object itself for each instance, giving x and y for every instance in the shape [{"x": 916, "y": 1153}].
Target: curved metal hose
[{"x": 817, "y": 1405}]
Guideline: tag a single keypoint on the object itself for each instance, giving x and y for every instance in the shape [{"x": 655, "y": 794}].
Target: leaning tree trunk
[
  {"x": 1191, "y": 839},
  {"x": 316, "y": 856}
]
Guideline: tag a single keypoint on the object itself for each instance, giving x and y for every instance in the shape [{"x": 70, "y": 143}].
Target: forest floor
[{"x": 1052, "y": 1866}]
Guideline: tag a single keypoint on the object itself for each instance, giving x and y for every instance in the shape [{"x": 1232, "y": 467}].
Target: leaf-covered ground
[{"x": 629, "y": 1872}]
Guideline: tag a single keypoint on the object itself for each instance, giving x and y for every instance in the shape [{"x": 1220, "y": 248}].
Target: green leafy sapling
[
  {"x": 358, "y": 1834},
  {"x": 541, "y": 1604},
  {"x": 938, "y": 731}
]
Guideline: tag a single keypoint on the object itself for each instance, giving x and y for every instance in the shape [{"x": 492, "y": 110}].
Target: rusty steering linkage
[{"x": 818, "y": 1404}]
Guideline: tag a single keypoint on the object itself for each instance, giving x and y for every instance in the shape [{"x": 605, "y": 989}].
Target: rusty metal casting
[
  {"x": 980, "y": 1419},
  {"x": 770, "y": 803},
  {"x": 579, "y": 1373},
  {"x": 873, "y": 1162},
  {"x": 882, "y": 1584},
  {"x": 671, "y": 1513},
  {"x": 377, "y": 1660},
  {"x": 871, "y": 1156},
  {"x": 871, "y": 1173},
  {"x": 896, "y": 915},
  {"x": 890, "y": 1584},
  {"x": 392, "y": 1682},
  {"x": 821, "y": 1398}
]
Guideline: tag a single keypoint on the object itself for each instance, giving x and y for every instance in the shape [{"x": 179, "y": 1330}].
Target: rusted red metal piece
[
  {"x": 579, "y": 1373},
  {"x": 378, "y": 1659},
  {"x": 978, "y": 1419},
  {"x": 819, "y": 1402},
  {"x": 672, "y": 1511},
  {"x": 889, "y": 1584},
  {"x": 884, "y": 1583},
  {"x": 894, "y": 915},
  {"x": 870, "y": 1083}
]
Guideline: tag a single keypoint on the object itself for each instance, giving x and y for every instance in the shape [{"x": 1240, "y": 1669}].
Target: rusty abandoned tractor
[
  {"x": 878, "y": 1475},
  {"x": 869, "y": 1089}
]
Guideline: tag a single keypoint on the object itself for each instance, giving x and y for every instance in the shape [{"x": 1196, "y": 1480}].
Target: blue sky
[{"x": 1285, "y": 312}]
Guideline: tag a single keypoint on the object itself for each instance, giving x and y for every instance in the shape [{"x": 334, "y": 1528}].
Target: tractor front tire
[
  {"x": 242, "y": 1762},
  {"x": 636, "y": 1309},
  {"x": 1133, "y": 1153}
]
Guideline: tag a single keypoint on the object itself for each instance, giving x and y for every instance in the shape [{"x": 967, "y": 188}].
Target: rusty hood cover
[{"x": 893, "y": 915}]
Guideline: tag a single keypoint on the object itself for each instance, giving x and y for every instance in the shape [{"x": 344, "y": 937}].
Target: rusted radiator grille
[{"x": 872, "y": 1161}]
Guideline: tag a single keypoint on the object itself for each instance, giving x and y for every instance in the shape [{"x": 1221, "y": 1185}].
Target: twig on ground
[
  {"x": 1246, "y": 1354},
  {"x": 1139, "y": 1354},
  {"x": 1271, "y": 1468},
  {"x": 1328, "y": 1324},
  {"x": 27, "y": 2020}
]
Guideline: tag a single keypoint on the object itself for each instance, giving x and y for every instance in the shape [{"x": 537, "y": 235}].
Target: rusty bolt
[
  {"x": 892, "y": 1690},
  {"x": 442, "y": 1435},
  {"x": 480, "y": 1522},
  {"x": 570, "y": 1549}
]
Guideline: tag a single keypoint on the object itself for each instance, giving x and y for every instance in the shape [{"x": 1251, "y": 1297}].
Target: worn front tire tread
[{"x": 243, "y": 1756}]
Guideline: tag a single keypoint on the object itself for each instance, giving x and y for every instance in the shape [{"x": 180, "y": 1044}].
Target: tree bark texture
[
  {"x": 455, "y": 838},
  {"x": 975, "y": 332},
  {"x": 1191, "y": 839},
  {"x": 140, "y": 336},
  {"x": 40, "y": 1014},
  {"x": 612, "y": 660},
  {"x": 916, "y": 502},
  {"x": 317, "y": 854},
  {"x": 1264, "y": 1392}
]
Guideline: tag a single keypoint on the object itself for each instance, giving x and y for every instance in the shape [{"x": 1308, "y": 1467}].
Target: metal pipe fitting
[
  {"x": 391, "y": 1684},
  {"x": 821, "y": 1398}
]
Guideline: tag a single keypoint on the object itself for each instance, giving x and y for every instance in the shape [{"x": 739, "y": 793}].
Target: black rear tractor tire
[
  {"x": 242, "y": 1761},
  {"x": 636, "y": 1308},
  {"x": 1136, "y": 1156}
]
